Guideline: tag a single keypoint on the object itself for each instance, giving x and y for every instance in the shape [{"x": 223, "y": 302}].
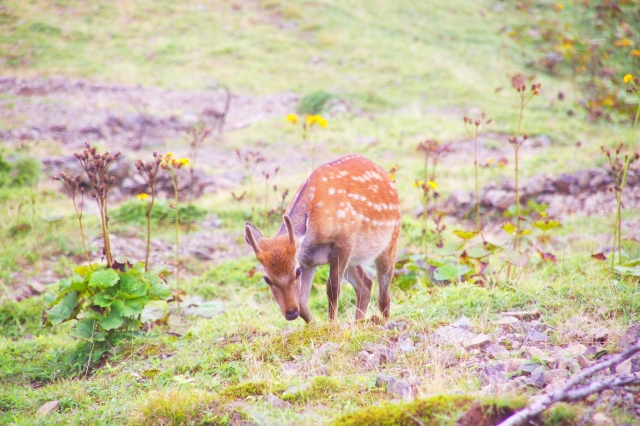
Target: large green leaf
[
  {"x": 131, "y": 286},
  {"x": 63, "y": 310},
  {"x": 104, "y": 279},
  {"x": 135, "y": 306},
  {"x": 86, "y": 329},
  {"x": 114, "y": 319},
  {"x": 159, "y": 289},
  {"x": 450, "y": 272},
  {"x": 103, "y": 299}
]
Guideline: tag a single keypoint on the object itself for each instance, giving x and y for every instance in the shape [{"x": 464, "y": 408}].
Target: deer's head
[{"x": 281, "y": 268}]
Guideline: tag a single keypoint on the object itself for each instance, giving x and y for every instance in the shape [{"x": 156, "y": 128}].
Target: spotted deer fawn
[{"x": 346, "y": 214}]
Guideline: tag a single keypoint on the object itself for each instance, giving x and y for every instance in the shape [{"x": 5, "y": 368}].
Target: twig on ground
[{"x": 565, "y": 393}]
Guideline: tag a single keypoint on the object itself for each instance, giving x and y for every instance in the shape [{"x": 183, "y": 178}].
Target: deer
[{"x": 346, "y": 214}]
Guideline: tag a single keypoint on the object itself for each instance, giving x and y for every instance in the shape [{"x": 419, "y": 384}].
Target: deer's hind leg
[
  {"x": 361, "y": 282},
  {"x": 385, "y": 267}
]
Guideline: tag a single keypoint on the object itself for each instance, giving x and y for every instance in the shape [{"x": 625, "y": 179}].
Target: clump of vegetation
[
  {"x": 178, "y": 408},
  {"x": 244, "y": 390},
  {"x": 321, "y": 387},
  {"x": 110, "y": 302},
  {"x": 313, "y": 103},
  {"x": 135, "y": 213}
]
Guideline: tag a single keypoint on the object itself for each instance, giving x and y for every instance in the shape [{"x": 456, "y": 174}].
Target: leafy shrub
[
  {"x": 135, "y": 212},
  {"x": 108, "y": 301},
  {"x": 313, "y": 103},
  {"x": 24, "y": 171}
]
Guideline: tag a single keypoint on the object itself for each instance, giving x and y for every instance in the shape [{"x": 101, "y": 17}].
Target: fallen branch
[{"x": 565, "y": 393}]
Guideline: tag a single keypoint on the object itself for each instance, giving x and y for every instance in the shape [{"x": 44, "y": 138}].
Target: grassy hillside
[{"x": 408, "y": 71}]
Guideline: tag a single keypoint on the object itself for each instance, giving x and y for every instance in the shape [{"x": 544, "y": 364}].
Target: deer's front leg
[
  {"x": 338, "y": 262},
  {"x": 306, "y": 281}
]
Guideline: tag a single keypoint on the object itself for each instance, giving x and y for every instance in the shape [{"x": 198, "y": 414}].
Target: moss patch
[
  {"x": 178, "y": 408},
  {"x": 320, "y": 388},
  {"x": 244, "y": 390},
  {"x": 447, "y": 409}
]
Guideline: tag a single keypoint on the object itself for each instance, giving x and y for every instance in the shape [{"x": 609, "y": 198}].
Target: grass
[{"x": 414, "y": 69}]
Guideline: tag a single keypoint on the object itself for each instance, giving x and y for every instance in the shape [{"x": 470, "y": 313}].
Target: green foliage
[
  {"x": 313, "y": 103},
  {"x": 320, "y": 388},
  {"x": 135, "y": 212},
  {"x": 23, "y": 171},
  {"x": 111, "y": 301}
]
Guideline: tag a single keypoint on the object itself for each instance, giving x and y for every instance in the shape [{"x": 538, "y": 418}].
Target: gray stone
[
  {"x": 599, "y": 334},
  {"x": 536, "y": 325},
  {"x": 480, "y": 341},
  {"x": 47, "y": 408},
  {"x": 450, "y": 334},
  {"x": 563, "y": 183},
  {"x": 461, "y": 199},
  {"x": 294, "y": 390},
  {"x": 631, "y": 336},
  {"x": 463, "y": 322},
  {"x": 276, "y": 402},
  {"x": 403, "y": 388},
  {"x": 393, "y": 325},
  {"x": 497, "y": 351},
  {"x": 534, "y": 186},
  {"x": 445, "y": 358},
  {"x": 529, "y": 367},
  {"x": 492, "y": 374},
  {"x": 536, "y": 336},
  {"x": 532, "y": 352},
  {"x": 322, "y": 354},
  {"x": 540, "y": 379},
  {"x": 512, "y": 365},
  {"x": 406, "y": 345},
  {"x": 498, "y": 198}
]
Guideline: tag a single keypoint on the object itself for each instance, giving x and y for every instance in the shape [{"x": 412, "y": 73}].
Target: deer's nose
[{"x": 291, "y": 315}]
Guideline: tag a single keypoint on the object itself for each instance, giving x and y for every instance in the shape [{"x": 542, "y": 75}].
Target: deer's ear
[
  {"x": 296, "y": 233},
  {"x": 252, "y": 236},
  {"x": 289, "y": 225}
]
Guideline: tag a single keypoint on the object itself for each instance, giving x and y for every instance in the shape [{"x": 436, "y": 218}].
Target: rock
[
  {"x": 498, "y": 198},
  {"x": 463, "y": 322},
  {"x": 536, "y": 326},
  {"x": 536, "y": 336},
  {"x": 276, "y": 402},
  {"x": 480, "y": 341},
  {"x": 47, "y": 408},
  {"x": 630, "y": 337},
  {"x": 563, "y": 183},
  {"x": 403, "y": 388},
  {"x": 492, "y": 374},
  {"x": 542, "y": 141},
  {"x": 512, "y": 365},
  {"x": 522, "y": 315},
  {"x": 575, "y": 349},
  {"x": 376, "y": 355},
  {"x": 583, "y": 361},
  {"x": 601, "y": 419},
  {"x": 445, "y": 358},
  {"x": 294, "y": 390},
  {"x": 582, "y": 179},
  {"x": 393, "y": 325},
  {"x": 561, "y": 361},
  {"x": 407, "y": 345},
  {"x": 599, "y": 334},
  {"x": 529, "y": 367},
  {"x": 540, "y": 379},
  {"x": 534, "y": 186},
  {"x": 460, "y": 199},
  {"x": 323, "y": 352},
  {"x": 600, "y": 181},
  {"x": 507, "y": 320},
  {"x": 450, "y": 334},
  {"x": 497, "y": 351},
  {"x": 532, "y": 351}
]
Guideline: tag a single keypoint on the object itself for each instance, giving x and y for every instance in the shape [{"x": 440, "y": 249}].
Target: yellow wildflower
[
  {"x": 311, "y": 119},
  {"x": 433, "y": 184},
  {"x": 142, "y": 196},
  {"x": 322, "y": 122},
  {"x": 292, "y": 118},
  {"x": 168, "y": 155},
  {"x": 184, "y": 161},
  {"x": 627, "y": 78},
  {"x": 417, "y": 183},
  {"x": 635, "y": 52},
  {"x": 392, "y": 177},
  {"x": 623, "y": 42}
]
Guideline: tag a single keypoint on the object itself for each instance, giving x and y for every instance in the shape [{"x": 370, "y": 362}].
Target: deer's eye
[
  {"x": 298, "y": 272},
  {"x": 267, "y": 280}
]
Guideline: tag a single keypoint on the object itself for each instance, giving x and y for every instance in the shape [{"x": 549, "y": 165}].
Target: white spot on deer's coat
[
  {"x": 332, "y": 191},
  {"x": 341, "y": 213},
  {"x": 324, "y": 179}
]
